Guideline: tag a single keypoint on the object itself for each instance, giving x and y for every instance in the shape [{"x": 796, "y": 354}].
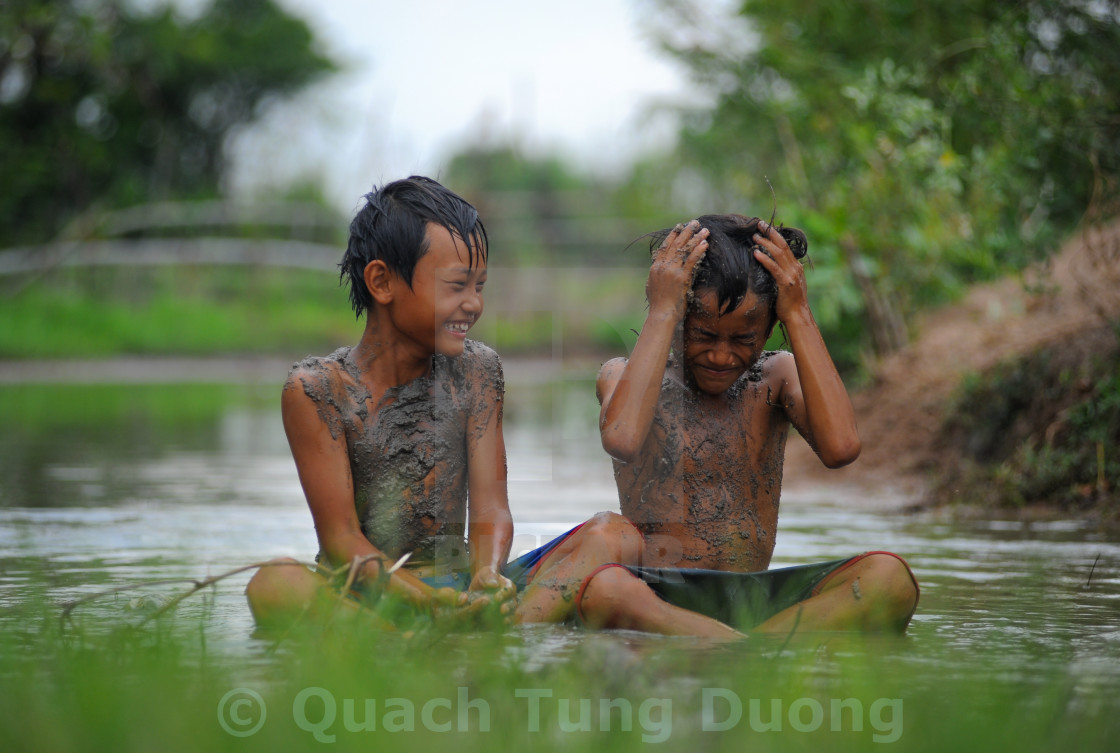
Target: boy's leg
[
  {"x": 551, "y": 594},
  {"x": 283, "y": 592},
  {"x": 875, "y": 592},
  {"x": 572, "y": 580},
  {"x": 612, "y": 597}
]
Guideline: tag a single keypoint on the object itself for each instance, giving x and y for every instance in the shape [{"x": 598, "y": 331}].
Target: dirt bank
[{"x": 901, "y": 411}]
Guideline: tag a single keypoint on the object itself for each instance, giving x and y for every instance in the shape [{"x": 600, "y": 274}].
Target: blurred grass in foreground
[{"x": 99, "y": 684}]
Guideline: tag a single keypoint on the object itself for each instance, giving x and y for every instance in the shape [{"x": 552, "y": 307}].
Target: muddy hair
[
  {"x": 729, "y": 267},
  {"x": 392, "y": 227}
]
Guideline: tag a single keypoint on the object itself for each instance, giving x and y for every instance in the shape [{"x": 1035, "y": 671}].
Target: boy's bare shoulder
[
  {"x": 612, "y": 369},
  {"x": 480, "y": 367},
  {"x": 776, "y": 369},
  {"x": 317, "y": 367},
  {"x": 316, "y": 377},
  {"x": 609, "y": 373},
  {"x": 775, "y": 364},
  {"x": 478, "y": 353}
]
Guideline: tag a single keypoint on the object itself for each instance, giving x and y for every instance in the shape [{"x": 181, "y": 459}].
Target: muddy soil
[{"x": 901, "y": 411}]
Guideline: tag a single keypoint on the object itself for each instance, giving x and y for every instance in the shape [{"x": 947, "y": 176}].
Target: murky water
[{"x": 107, "y": 485}]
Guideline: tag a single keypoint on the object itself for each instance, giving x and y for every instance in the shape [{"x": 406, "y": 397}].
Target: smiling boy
[
  {"x": 696, "y": 422},
  {"x": 395, "y": 436}
]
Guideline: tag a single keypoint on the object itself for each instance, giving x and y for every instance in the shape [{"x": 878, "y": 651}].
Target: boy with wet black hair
[
  {"x": 696, "y": 422},
  {"x": 394, "y": 438}
]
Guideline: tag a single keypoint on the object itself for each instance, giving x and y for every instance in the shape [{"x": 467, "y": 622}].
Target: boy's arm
[
  {"x": 812, "y": 392},
  {"x": 324, "y": 472},
  {"x": 628, "y": 389},
  {"x": 490, "y": 531}
]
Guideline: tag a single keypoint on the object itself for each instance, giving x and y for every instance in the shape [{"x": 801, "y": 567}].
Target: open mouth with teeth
[{"x": 460, "y": 328}]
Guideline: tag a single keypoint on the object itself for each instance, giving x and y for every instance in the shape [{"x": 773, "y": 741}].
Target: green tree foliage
[
  {"x": 922, "y": 146},
  {"x": 103, "y": 106}
]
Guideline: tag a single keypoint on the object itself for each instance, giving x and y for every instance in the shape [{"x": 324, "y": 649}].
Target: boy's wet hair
[
  {"x": 728, "y": 266},
  {"x": 392, "y": 227}
]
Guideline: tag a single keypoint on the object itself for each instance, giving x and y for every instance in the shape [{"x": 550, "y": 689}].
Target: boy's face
[
  {"x": 445, "y": 300},
  {"x": 719, "y": 349}
]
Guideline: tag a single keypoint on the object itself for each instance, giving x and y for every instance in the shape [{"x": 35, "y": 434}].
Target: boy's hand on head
[
  {"x": 776, "y": 256},
  {"x": 673, "y": 267}
]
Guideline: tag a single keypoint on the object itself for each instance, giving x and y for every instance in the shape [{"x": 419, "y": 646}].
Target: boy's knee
[
  {"x": 615, "y": 535},
  {"x": 608, "y": 595},
  {"x": 273, "y": 574},
  {"x": 892, "y": 572},
  {"x": 280, "y": 586},
  {"x": 892, "y": 583}
]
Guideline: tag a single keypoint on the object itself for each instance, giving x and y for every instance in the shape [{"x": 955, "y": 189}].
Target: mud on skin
[
  {"x": 709, "y": 475},
  {"x": 408, "y": 454}
]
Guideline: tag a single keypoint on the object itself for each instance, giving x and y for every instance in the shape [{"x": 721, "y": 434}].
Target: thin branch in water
[
  {"x": 1092, "y": 570},
  {"x": 198, "y": 585}
]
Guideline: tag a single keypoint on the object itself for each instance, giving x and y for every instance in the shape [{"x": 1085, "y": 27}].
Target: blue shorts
[{"x": 520, "y": 570}]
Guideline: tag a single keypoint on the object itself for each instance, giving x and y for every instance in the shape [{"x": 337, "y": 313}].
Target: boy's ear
[{"x": 379, "y": 281}]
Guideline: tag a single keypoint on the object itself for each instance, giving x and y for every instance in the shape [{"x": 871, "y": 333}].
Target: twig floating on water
[{"x": 1092, "y": 569}]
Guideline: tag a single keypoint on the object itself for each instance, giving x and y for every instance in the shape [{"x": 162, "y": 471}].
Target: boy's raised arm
[
  {"x": 812, "y": 393},
  {"x": 324, "y": 472},
  {"x": 628, "y": 389}
]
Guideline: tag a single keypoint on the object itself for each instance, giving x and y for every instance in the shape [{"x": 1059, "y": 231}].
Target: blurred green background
[
  {"x": 925, "y": 148},
  {"x": 922, "y": 148}
]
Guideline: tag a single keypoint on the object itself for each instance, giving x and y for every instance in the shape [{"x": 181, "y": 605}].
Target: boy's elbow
[
  {"x": 842, "y": 454},
  {"x": 619, "y": 446}
]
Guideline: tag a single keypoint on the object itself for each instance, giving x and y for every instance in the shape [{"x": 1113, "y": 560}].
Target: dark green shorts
[{"x": 743, "y": 600}]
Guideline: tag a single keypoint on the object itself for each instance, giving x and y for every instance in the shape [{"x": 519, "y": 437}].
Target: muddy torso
[
  {"x": 706, "y": 487},
  {"x": 408, "y": 453}
]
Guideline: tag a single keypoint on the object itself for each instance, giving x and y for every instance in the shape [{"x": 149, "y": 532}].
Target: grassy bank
[
  {"x": 104, "y": 312},
  {"x": 171, "y": 311}
]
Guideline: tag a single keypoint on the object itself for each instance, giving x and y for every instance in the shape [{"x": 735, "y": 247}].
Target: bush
[{"x": 1044, "y": 428}]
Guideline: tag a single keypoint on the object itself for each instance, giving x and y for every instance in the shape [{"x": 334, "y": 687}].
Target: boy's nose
[
  {"x": 472, "y": 302},
  {"x": 722, "y": 355}
]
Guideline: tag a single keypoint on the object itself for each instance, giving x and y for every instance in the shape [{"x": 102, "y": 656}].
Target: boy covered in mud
[
  {"x": 696, "y": 422},
  {"x": 395, "y": 436}
]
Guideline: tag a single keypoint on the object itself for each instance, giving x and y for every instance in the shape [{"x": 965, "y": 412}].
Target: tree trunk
[{"x": 888, "y": 329}]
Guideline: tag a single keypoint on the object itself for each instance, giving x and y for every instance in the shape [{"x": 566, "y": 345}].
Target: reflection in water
[{"x": 105, "y": 486}]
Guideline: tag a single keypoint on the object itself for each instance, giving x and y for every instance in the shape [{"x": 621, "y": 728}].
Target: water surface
[{"x": 104, "y": 485}]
